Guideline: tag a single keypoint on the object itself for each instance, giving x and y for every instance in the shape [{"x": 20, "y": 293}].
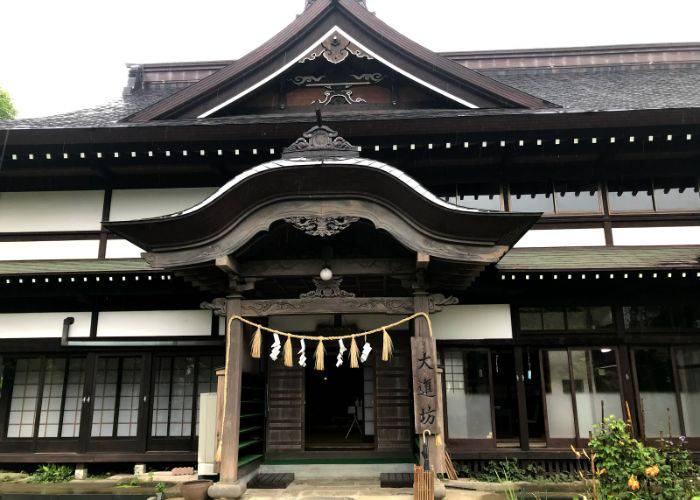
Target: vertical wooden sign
[{"x": 425, "y": 396}]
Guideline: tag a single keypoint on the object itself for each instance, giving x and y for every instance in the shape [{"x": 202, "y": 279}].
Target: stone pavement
[{"x": 353, "y": 489}]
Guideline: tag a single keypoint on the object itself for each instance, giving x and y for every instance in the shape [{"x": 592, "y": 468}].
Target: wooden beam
[
  {"x": 422, "y": 260},
  {"x": 311, "y": 267},
  {"x": 228, "y": 469},
  {"x": 343, "y": 305},
  {"x": 228, "y": 265}
]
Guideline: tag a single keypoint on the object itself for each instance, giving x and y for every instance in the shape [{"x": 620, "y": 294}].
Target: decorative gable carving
[{"x": 335, "y": 49}]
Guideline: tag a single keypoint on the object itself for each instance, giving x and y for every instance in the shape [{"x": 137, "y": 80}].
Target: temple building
[{"x": 541, "y": 207}]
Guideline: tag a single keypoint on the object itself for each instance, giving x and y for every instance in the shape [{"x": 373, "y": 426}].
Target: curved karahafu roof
[{"x": 322, "y": 178}]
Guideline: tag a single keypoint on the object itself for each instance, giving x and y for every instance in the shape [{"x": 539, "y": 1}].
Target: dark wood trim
[
  {"x": 522, "y": 399},
  {"x": 677, "y": 387},
  {"x": 50, "y": 236},
  {"x": 106, "y": 208},
  {"x": 187, "y": 457}
]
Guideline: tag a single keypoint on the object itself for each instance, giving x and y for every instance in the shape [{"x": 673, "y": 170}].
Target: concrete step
[{"x": 337, "y": 471}]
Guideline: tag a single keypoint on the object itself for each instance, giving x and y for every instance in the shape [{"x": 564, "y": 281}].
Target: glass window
[
  {"x": 468, "y": 395},
  {"x": 688, "y": 364},
  {"x": 577, "y": 197},
  {"x": 206, "y": 379},
  {"x": 657, "y": 392},
  {"x": 557, "y": 384},
  {"x": 117, "y": 394},
  {"x": 25, "y": 391},
  {"x": 531, "y": 197},
  {"x": 58, "y": 386},
  {"x": 662, "y": 317},
  {"x": 597, "y": 387},
  {"x": 676, "y": 195},
  {"x": 578, "y": 318},
  {"x": 630, "y": 196},
  {"x": 172, "y": 402}
]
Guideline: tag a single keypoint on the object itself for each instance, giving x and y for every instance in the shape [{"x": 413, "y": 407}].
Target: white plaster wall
[
  {"x": 42, "y": 325},
  {"x": 153, "y": 323},
  {"x": 130, "y": 204},
  {"x": 122, "y": 249},
  {"x": 539, "y": 238},
  {"x": 477, "y": 321},
  {"x": 680, "y": 235},
  {"x": 48, "y": 250},
  {"x": 364, "y": 322},
  {"x": 44, "y": 211}
]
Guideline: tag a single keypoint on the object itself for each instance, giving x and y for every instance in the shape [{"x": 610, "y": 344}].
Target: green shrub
[
  {"x": 627, "y": 469},
  {"x": 510, "y": 469},
  {"x": 51, "y": 473}
]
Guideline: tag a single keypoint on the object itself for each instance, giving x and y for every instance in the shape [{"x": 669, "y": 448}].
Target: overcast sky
[{"x": 62, "y": 55}]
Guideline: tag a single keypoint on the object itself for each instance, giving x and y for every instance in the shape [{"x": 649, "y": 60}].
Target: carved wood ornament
[
  {"x": 321, "y": 226},
  {"x": 335, "y": 49}
]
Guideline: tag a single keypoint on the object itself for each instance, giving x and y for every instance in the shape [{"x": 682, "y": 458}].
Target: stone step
[{"x": 337, "y": 471}]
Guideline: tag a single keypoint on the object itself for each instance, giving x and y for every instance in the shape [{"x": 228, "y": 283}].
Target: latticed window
[
  {"x": 54, "y": 387},
  {"x": 178, "y": 383},
  {"x": 454, "y": 370},
  {"x": 116, "y": 397}
]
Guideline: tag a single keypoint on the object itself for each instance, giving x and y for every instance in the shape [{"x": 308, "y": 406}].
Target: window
[
  {"x": 532, "y": 197},
  {"x": 577, "y": 197},
  {"x": 116, "y": 398},
  {"x": 55, "y": 385},
  {"x": 557, "y": 389},
  {"x": 172, "y": 402},
  {"x": 597, "y": 387},
  {"x": 630, "y": 196},
  {"x": 662, "y": 317},
  {"x": 688, "y": 365},
  {"x": 569, "y": 318},
  {"x": 177, "y": 385},
  {"x": 676, "y": 195},
  {"x": 657, "y": 392},
  {"x": 468, "y": 394}
]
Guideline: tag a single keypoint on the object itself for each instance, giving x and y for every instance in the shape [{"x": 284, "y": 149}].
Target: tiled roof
[
  {"x": 610, "y": 87},
  {"x": 601, "y": 258},
  {"x": 89, "y": 266},
  {"x": 574, "y": 89}
]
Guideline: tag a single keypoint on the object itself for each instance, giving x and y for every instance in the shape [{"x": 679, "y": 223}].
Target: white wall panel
[
  {"x": 478, "y": 321},
  {"x": 591, "y": 237},
  {"x": 153, "y": 323},
  {"x": 681, "y": 235},
  {"x": 41, "y": 211},
  {"x": 365, "y": 322},
  {"x": 122, "y": 249},
  {"x": 42, "y": 325},
  {"x": 47, "y": 250},
  {"x": 130, "y": 204}
]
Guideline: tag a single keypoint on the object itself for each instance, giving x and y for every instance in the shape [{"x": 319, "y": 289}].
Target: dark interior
[{"x": 329, "y": 396}]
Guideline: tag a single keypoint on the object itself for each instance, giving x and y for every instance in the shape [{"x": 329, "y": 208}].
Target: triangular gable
[{"x": 336, "y": 30}]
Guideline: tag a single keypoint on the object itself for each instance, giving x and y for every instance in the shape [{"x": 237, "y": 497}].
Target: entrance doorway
[
  {"x": 339, "y": 406},
  {"x": 505, "y": 397}
]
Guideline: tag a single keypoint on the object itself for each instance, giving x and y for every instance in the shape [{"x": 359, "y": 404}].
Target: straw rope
[{"x": 319, "y": 338}]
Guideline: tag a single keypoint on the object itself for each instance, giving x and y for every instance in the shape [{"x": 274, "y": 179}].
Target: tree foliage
[{"x": 7, "y": 109}]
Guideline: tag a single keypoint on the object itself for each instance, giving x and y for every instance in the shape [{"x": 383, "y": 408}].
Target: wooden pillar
[
  {"x": 421, "y": 330},
  {"x": 228, "y": 469}
]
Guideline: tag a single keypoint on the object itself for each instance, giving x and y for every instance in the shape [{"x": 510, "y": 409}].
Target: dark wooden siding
[
  {"x": 285, "y": 399},
  {"x": 393, "y": 399}
]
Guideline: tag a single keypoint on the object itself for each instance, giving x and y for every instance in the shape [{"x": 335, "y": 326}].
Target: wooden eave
[
  {"x": 388, "y": 124},
  {"x": 304, "y": 32},
  {"x": 206, "y": 222}
]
